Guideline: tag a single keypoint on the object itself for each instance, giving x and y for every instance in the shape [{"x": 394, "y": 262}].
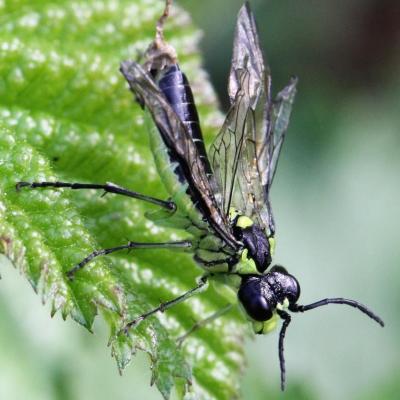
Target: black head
[{"x": 261, "y": 294}]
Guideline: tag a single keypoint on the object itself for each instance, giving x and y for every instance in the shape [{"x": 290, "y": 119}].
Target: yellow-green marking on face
[
  {"x": 284, "y": 305},
  {"x": 265, "y": 327}
]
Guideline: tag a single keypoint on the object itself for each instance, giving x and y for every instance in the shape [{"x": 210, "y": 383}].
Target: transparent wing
[
  {"x": 181, "y": 145},
  {"x": 269, "y": 152},
  {"x": 234, "y": 153},
  {"x": 280, "y": 115},
  {"x": 244, "y": 155},
  {"x": 233, "y": 156}
]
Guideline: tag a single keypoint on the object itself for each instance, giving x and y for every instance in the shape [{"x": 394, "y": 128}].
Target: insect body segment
[
  {"x": 256, "y": 250},
  {"x": 257, "y": 245},
  {"x": 175, "y": 86}
]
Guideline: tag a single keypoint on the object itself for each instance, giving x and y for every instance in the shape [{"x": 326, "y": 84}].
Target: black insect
[{"x": 221, "y": 198}]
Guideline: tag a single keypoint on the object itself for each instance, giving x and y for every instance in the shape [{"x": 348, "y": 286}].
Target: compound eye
[
  {"x": 258, "y": 308},
  {"x": 293, "y": 289},
  {"x": 255, "y": 304}
]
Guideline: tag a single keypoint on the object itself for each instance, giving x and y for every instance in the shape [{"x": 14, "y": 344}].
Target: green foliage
[{"x": 66, "y": 114}]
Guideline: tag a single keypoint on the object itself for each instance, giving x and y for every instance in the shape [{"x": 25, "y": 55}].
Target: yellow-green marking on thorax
[
  {"x": 233, "y": 213},
  {"x": 244, "y": 222},
  {"x": 246, "y": 265},
  {"x": 272, "y": 245}
]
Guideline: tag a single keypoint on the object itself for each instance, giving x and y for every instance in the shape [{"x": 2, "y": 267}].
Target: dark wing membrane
[
  {"x": 180, "y": 143},
  {"x": 244, "y": 154}
]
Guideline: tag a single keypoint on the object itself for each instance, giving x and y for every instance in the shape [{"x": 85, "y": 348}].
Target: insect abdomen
[{"x": 178, "y": 93}]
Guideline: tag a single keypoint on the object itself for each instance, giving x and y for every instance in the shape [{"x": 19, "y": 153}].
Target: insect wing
[
  {"x": 180, "y": 143},
  {"x": 247, "y": 55},
  {"x": 242, "y": 140},
  {"x": 233, "y": 157},
  {"x": 245, "y": 153},
  {"x": 281, "y": 109}
]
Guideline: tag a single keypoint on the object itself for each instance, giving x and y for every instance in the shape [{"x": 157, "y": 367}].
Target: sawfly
[{"x": 220, "y": 197}]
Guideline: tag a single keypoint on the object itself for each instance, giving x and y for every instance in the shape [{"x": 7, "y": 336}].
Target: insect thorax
[
  {"x": 253, "y": 257},
  {"x": 256, "y": 255}
]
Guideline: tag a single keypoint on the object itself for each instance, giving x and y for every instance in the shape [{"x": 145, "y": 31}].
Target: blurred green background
[{"x": 336, "y": 200}]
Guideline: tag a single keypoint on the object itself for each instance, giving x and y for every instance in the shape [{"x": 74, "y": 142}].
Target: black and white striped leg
[
  {"x": 203, "y": 322},
  {"x": 130, "y": 245},
  {"x": 201, "y": 287},
  {"x": 108, "y": 188},
  {"x": 286, "y": 321}
]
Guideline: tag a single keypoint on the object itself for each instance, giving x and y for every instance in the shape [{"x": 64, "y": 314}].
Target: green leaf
[{"x": 66, "y": 114}]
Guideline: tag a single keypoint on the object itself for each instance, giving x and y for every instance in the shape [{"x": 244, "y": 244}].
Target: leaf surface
[{"x": 66, "y": 114}]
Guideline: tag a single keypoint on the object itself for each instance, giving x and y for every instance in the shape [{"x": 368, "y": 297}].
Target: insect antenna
[
  {"x": 286, "y": 321},
  {"x": 338, "y": 300},
  {"x": 300, "y": 308}
]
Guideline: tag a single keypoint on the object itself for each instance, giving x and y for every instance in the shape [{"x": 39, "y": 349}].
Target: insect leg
[
  {"x": 286, "y": 321},
  {"x": 129, "y": 245},
  {"x": 108, "y": 188},
  {"x": 229, "y": 260},
  {"x": 201, "y": 286},
  {"x": 205, "y": 321}
]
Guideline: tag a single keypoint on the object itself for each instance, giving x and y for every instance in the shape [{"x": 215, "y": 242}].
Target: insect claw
[
  {"x": 20, "y": 185},
  {"x": 125, "y": 331},
  {"x": 171, "y": 205},
  {"x": 134, "y": 323},
  {"x": 130, "y": 246},
  {"x": 71, "y": 274},
  {"x": 129, "y": 325}
]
